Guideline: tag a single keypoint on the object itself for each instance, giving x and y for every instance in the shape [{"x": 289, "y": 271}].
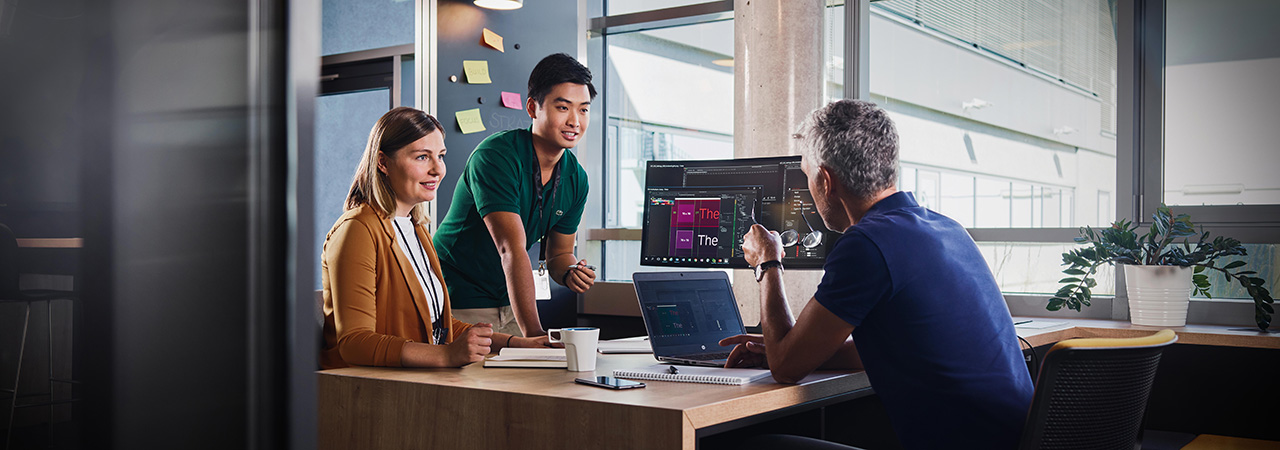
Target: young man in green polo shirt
[{"x": 520, "y": 187}]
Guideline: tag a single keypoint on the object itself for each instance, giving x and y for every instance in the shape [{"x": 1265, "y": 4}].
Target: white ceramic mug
[{"x": 579, "y": 346}]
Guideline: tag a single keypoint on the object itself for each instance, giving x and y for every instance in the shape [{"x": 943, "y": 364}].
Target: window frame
[{"x": 1254, "y": 224}]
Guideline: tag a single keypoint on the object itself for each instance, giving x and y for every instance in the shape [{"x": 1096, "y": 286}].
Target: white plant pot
[{"x": 1158, "y": 295}]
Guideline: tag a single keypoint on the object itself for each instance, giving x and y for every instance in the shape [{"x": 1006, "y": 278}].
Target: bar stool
[{"x": 10, "y": 293}]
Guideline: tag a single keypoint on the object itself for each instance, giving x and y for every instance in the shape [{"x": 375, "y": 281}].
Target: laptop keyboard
[{"x": 705, "y": 356}]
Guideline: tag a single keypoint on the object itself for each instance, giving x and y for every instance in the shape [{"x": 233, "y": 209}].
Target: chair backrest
[
  {"x": 8, "y": 262},
  {"x": 1092, "y": 393}
]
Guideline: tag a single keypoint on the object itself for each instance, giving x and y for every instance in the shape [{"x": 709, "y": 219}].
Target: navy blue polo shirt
[{"x": 931, "y": 326}]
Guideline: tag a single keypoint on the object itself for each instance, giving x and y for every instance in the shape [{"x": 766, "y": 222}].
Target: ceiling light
[{"x": 500, "y": 4}]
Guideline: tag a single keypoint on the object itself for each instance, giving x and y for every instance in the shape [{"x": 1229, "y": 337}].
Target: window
[
  {"x": 1006, "y": 119},
  {"x": 1207, "y": 144},
  {"x": 668, "y": 94},
  {"x": 1011, "y": 122},
  {"x": 1011, "y": 104},
  {"x": 669, "y": 97},
  {"x": 357, "y": 25},
  {"x": 1221, "y": 66}
]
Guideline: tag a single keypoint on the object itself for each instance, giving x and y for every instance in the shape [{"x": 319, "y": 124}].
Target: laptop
[{"x": 687, "y": 314}]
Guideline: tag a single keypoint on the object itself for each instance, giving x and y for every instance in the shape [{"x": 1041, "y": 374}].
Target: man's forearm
[
  {"x": 558, "y": 266},
  {"x": 521, "y": 292},
  {"x": 846, "y": 358},
  {"x": 775, "y": 313}
]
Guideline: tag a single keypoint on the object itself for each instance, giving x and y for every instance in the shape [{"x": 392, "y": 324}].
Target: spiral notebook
[{"x": 693, "y": 374}]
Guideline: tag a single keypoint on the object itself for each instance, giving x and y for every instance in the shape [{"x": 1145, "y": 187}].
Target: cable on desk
[{"x": 1035, "y": 358}]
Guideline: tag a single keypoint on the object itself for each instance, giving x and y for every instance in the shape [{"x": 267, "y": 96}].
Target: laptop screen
[{"x": 687, "y": 313}]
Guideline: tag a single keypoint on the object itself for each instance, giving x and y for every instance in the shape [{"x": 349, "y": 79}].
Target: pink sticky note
[{"x": 511, "y": 100}]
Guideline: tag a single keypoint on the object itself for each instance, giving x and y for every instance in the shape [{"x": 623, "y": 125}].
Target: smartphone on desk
[{"x": 610, "y": 383}]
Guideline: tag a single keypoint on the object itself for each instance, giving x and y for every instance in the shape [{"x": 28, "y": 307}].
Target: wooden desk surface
[
  {"x": 50, "y": 242},
  {"x": 1224, "y": 336},
  {"x": 370, "y": 407}
]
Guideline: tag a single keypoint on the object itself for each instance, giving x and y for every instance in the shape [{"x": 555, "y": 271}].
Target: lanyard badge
[{"x": 541, "y": 281}]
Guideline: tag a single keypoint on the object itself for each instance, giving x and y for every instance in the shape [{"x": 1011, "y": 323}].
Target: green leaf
[
  {"x": 1234, "y": 264},
  {"x": 1074, "y": 271},
  {"x": 1200, "y": 268},
  {"x": 1055, "y": 304},
  {"x": 1069, "y": 280}
]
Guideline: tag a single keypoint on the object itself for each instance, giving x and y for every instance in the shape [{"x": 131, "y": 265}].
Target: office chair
[
  {"x": 1092, "y": 393},
  {"x": 11, "y": 293}
]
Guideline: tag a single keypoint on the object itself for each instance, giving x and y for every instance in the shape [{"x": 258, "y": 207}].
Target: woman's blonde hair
[{"x": 395, "y": 130}]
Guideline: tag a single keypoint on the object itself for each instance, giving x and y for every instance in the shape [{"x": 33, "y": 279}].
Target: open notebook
[
  {"x": 693, "y": 374},
  {"x": 528, "y": 357}
]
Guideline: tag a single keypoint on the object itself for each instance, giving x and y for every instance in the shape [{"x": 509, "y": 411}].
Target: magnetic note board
[{"x": 540, "y": 28}]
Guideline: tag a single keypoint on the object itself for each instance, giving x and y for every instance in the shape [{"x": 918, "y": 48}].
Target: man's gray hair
[{"x": 856, "y": 141}]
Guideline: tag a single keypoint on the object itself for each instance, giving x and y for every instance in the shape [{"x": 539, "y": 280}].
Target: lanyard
[
  {"x": 537, "y": 204},
  {"x": 437, "y": 322}
]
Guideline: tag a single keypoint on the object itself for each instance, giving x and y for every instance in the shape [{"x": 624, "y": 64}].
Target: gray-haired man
[{"x": 906, "y": 295}]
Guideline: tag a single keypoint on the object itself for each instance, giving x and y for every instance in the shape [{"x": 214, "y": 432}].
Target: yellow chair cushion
[
  {"x": 1215, "y": 442},
  {"x": 1161, "y": 337}
]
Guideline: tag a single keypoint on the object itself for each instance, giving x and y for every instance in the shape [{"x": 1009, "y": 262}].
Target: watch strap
[{"x": 765, "y": 266}]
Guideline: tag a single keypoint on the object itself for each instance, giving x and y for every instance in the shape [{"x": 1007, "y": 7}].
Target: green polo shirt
[{"x": 499, "y": 176}]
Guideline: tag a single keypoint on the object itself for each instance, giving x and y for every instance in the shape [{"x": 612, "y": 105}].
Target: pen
[
  {"x": 1020, "y": 323},
  {"x": 582, "y": 266}
]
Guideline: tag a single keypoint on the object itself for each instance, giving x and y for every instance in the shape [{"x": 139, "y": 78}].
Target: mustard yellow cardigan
[{"x": 373, "y": 303}]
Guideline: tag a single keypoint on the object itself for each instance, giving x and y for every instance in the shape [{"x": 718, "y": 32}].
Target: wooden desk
[
  {"x": 475, "y": 407},
  {"x": 1222, "y": 336},
  {"x": 50, "y": 242}
]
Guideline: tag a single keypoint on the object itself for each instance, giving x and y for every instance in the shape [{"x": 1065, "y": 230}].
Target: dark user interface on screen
[{"x": 697, "y": 212}]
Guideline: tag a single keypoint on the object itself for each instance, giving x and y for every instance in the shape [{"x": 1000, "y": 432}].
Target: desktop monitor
[{"x": 697, "y": 212}]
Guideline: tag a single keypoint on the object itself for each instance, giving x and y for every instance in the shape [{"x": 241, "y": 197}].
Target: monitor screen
[{"x": 696, "y": 212}]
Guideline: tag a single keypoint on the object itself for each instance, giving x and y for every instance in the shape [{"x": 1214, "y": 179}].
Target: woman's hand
[{"x": 472, "y": 346}]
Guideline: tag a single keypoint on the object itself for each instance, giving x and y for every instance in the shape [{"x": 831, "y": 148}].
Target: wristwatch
[{"x": 765, "y": 266}]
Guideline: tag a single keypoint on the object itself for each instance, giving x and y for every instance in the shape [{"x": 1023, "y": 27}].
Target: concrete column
[{"x": 778, "y": 82}]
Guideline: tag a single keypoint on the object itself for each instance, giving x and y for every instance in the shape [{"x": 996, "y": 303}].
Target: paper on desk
[
  {"x": 630, "y": 345},
  {"x": 1038, "y": 324},
  {"x": 492, "y": 40},
  {"x": 469, "y": 120},
  {"x": 477, "y": 71},
  {"x": 511, "y": 100},
  {"x": 530, "y": 354}
]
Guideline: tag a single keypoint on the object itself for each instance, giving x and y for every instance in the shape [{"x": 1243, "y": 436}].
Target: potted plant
[{"x": 1157, "y": 257}]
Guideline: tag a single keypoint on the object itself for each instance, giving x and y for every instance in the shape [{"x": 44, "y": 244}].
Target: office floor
[{"x": 63, "y": 436}]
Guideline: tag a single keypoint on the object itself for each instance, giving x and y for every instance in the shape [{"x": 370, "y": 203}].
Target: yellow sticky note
[
  {"x": 477, "y": 71},
  {"x": 469, "y": 120},
  {"x": 492, "y": 39}
]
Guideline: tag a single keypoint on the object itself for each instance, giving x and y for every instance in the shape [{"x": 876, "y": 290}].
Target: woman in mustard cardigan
[{"x": 385, "y": 303}]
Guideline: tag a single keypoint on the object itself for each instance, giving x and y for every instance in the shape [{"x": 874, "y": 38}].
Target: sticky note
[
  {"x": 469, "y": 120},
  {"x": 477, "y": 72},
  {"x": 492, "y": 40},
  {"x": 511, "y": 100}
]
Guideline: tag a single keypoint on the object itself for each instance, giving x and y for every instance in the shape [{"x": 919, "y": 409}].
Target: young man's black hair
[{"x": 555, "y": 69}]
